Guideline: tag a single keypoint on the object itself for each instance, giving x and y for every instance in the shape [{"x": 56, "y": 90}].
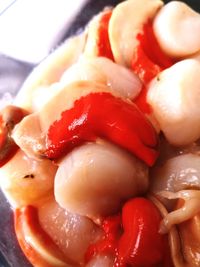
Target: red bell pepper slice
[
  {"x": 148, "y": 61},
  {"x": 106, "y": 116},
  {"x": 132, "y": 238},
  {"x": 141, "y": 245},
  {"x": 103, "y": 42},
  {"x": 111, "y": 227}
]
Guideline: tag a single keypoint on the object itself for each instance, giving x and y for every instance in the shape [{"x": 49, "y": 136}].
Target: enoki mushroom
[{"x": 189, "y": 209}]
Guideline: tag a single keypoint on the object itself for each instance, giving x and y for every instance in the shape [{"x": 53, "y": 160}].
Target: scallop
[
  {"x": 125, "y": 25},
  {"x": 28, "y": 136},
  {"x": 94, "y": 179},
  {"x": 26, "y": 181},
  {"x": 72, "y": 233},
  {"x": 105, "y": 71},
  {"x": 50, "y": 71},
  {"x": 178, "y": 173},
  {"x": 175, "y": 96},
  {"x": 101, "y": 260},
  {"x": 177, "y": 28}
]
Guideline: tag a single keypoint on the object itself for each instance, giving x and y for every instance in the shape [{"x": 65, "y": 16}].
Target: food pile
[{"x": 99, "y": 151}]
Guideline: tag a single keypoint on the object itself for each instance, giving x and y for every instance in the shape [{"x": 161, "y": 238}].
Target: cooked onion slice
[
  {"x": 94, "y": 179},
  {"x": 177, "y": 28}
]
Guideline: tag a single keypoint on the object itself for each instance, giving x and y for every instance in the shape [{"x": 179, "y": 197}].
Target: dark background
[{"x": 12, "y": 75}]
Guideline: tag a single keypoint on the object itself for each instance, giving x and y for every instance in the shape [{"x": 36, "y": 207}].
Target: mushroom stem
[{"x": 174, "y": 238}]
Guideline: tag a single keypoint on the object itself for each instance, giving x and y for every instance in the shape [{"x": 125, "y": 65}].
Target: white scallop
[
  {"x": 71, "y": 232},
  {"x": 101, "y": 261},
  {"x": 177, "y": 28},
  {"x": 26, "y": 181},
  {"x": 127, "y": 20},
  {"x": 94, "y": 179},
  {"x": 175, "y": 96},
  {"x": 28, "y": 136},
  {"x": 103, "y": 70},
  {"x": 178, "y": 173}
]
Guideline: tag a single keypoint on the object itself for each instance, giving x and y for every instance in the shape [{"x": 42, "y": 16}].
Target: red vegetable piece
[
  {"x": 152, "y": 49},
  {"x": 143, "y": 66},
  {"x": 140, "y": 245},
  {"x": 103, "y": 42},
  {"x": 141, "y": 102},
  {"x": 111, "y": 227},
  {"x": 106, "y": 116},
  {"x": 148, "y": 61}
]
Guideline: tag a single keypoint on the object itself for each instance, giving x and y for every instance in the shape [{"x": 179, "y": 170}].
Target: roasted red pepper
[
  {"x": 141, "y": 245},
  {"x": 148, "y": 61},
  {"x": 133, "y": 238},
  {"x": 103, "y": 43},
  {"x": 111, "y": 227},
  {"x": 106, "y": 116}
]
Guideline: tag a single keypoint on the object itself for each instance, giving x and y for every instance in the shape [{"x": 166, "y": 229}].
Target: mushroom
[{"x": 183, "y": 239}]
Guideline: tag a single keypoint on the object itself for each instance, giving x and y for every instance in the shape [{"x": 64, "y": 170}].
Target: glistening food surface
[{"x": 100, "y": 149}]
